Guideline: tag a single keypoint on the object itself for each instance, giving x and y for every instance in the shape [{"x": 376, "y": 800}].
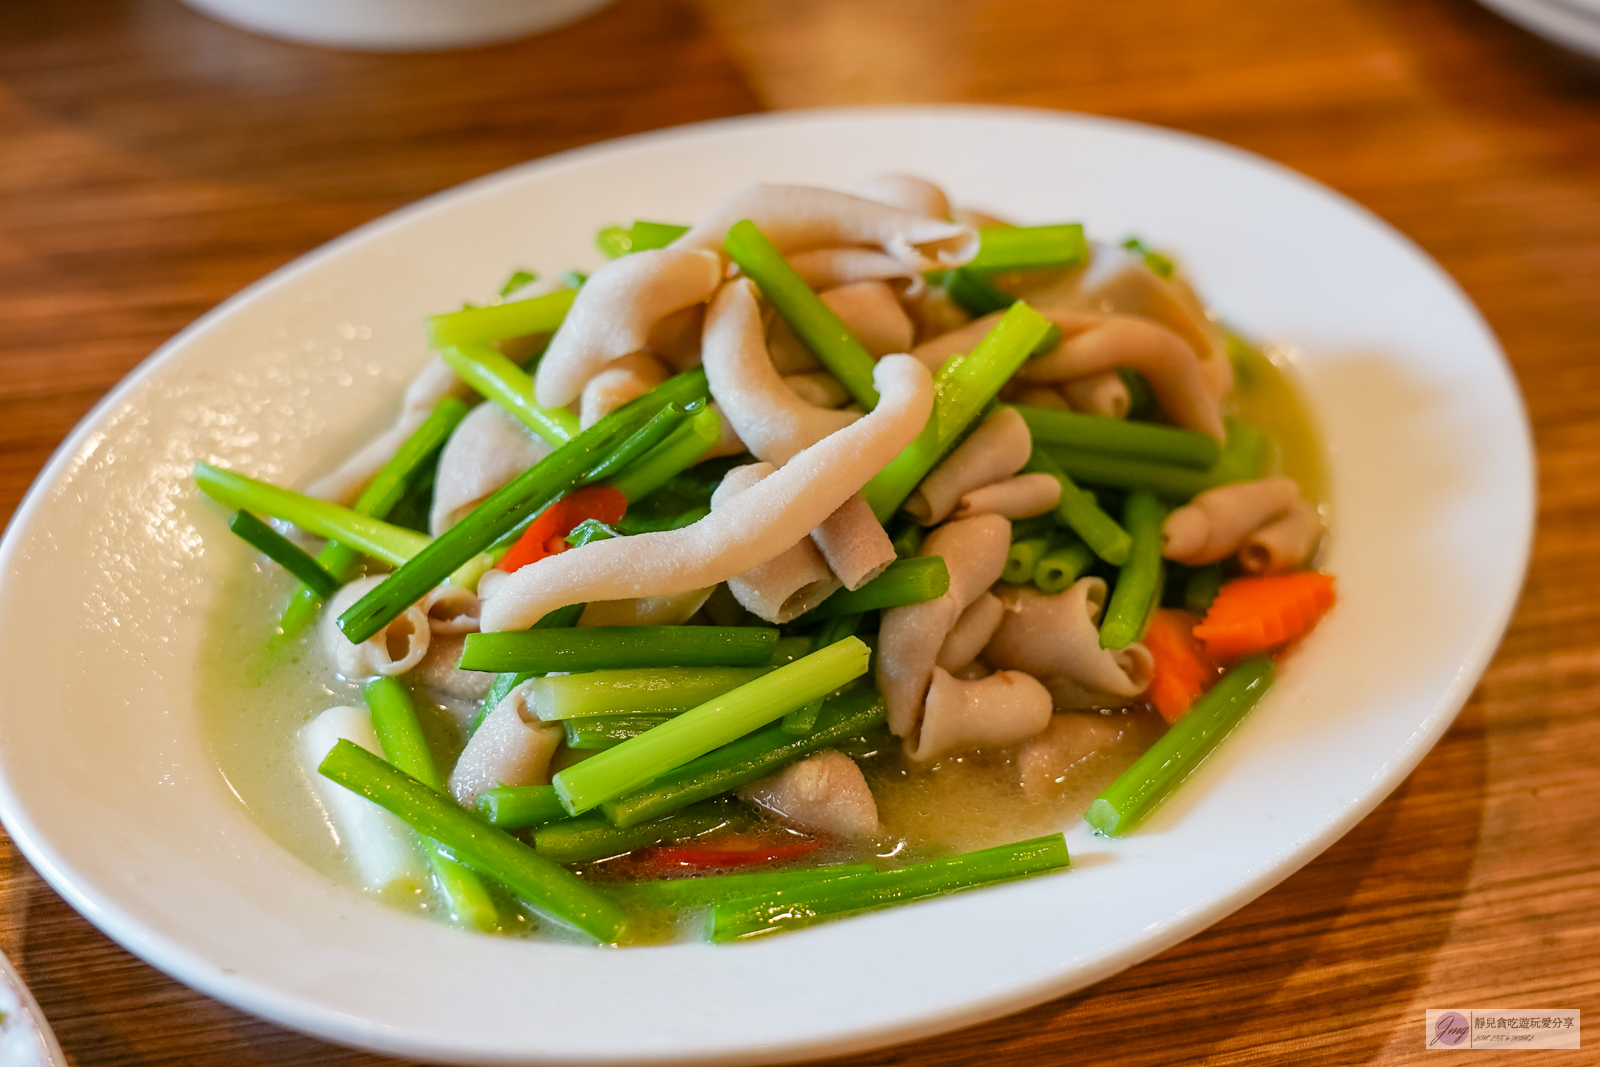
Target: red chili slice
[
  {"x": 739, "y": 850},
  {"x": 546, "y": 535}
]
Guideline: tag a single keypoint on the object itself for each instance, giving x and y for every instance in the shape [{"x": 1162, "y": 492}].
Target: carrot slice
[
  {"x": 1183, "y": 671},
  {"x": 1259, "y": 614},
  {"x": 546, "y": 535}
]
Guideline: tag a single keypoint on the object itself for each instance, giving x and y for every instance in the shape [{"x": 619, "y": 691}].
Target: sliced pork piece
[
  {"x": 394, "y": 650},
  {"x": 1055, "y": 639},
  {"x": 511, "y": 747},
  {"x": 1001, "y": 709},
  {"x": 825, "y": 793}
]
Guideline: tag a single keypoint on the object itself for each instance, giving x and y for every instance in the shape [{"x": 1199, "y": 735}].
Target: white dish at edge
[
  {"x": 108, "y": 786},
  {"x": 1573, "y": 24}
]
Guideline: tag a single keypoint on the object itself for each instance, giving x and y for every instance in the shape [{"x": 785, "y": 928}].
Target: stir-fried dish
[{"x": 829, "y": 553}]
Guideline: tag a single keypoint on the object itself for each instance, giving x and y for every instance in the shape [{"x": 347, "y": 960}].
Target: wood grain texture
[{"x": 152, "y": 163}]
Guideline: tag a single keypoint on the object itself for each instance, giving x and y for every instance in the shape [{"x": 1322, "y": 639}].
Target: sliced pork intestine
[
  {"x": 818, "y": 388},
  {"x": 997, "y": 449},
  {"x": 854, "y": 543},
  {"x": 906, "y": 191},
  {"x": 488, "y": 449},
  {"x": 625, "y": 379},
  {"x": 778, "y": 511},
  {"x": 394, "y": 650},
  {"x": 869, "y": 310},
  {"x": 450, "y": 609},
  {"x": 1104, "y": 394},
  {"x": 769, "y": 418},
  {"x": 439, "y": 675},
  {"x": 1284, "y": 544},
  {"x": 797, "y": 218},
  {"x": 432, "y": 384},
  {"x": 825, "y": 793},
  {"x": 911, "y": 636},
  {"x": 1000, "y": 709},
  {"x": 1069, "y": 739},
  {"x": 826, "y": 268},
  {"x": 789, "y": 584},
  {"x": 1117, "y": 281},
  {"x": 615, "y": 311},
  {"x": 972, "y": 631},
  {"x": 1215, "y": 524},
  {"x": 1091, "y": 344},
  {"x": 1019, "y": 497},
  {"x": 510, "y": 747},
  {"x": 1055, "y": 639}
]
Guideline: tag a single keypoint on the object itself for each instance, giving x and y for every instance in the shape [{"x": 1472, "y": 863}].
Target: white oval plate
[{"x": 107, "y": 786}]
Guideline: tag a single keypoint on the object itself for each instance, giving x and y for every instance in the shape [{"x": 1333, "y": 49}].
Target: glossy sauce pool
[{"x": 259, "y": 689}]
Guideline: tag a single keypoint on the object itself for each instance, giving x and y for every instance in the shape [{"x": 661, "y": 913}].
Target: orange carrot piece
[
  {"x": 546, "y": 535},
  {"x": 1183, "y": 671},
  {"x": 1260, "y": 614}
]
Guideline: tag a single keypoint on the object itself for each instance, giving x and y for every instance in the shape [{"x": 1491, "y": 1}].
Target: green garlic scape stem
[
  {"x": 519, "y": 318},
  {"x": 813, "y": 321},
  {"x": 516, "y": 502},
  {"x": 639, "y": 761},
  {"x": 548, "y": 888},
  {"x": 1176, "y": 753},
  {"x": 1139, "y": 581},
  {"x": 806, "y": 904},
  {"x": 596, "y": 648},
  {"x": 481, "y": 366},
  {"x": 961, "y": 390}
]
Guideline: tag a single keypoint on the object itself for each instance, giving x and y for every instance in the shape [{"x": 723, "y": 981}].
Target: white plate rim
[{"x": 240, "y": 992}]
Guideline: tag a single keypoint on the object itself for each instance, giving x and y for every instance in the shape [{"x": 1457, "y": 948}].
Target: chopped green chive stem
[
  {"x": 1244, "y": 456},
  {"x": 961, "y": 390},
  {"x": 1022, "y": 558},
  {"x": 595, "y": 648},
  {"x": 482, "y": 366},
  {"x": 591, "y": 530},
  {"x": 284, "y": 552},
  {"x": 1136, "y": 440},
  {"x": 518, "y": 501},
  {"x": 1201, "y": 588},
  {"x": 973, "y": 293},
  {"x": 1062, "y": 565},
  {"x": 639, "y": 761},
  {"x": 1082, "y": 514},
  {"x": 380, "y": 497},
  {"x": 850, "y": 714},
  {"x": 518, "y": 279},
  {"x": 1141, "y": 400},
  {"x": 504, "y": 682},
  {"x": 1157, "y": 262},
  {"x": 1008, "y": 249},
  {"x": 803, "y": 719},
  {"x": 802, "y": 905},
  {"x": 1176, "y": 753},
  {"x": 908, "y": 539},
  {"x": 1139, "y": 581},
  {"x": 646, "y": 438},
  {"x": 522, "y": 806},
  {"x": 539, "y": 314},
  {"x": 682, "y": 447},
  {"x": 372, "y": 536},
  {"x": 905, "y": 581},
  {"x": 549, "y": 889},
  {"x": 813, "y": 321},
  {"x": 607, "y": 731},
  {"x": 394, "y": 720},
  {"x": 707, "y": 890},
  {"x": 617, "y": 241},
  {"x": 590, "y": 837},
  {"x": 660, "y": 690}
]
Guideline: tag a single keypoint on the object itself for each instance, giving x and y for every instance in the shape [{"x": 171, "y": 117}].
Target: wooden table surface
[{"x": 153, "y": 162}]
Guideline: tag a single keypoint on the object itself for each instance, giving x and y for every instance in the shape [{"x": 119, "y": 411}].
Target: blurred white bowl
[{"x": 398, "y": 25}]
